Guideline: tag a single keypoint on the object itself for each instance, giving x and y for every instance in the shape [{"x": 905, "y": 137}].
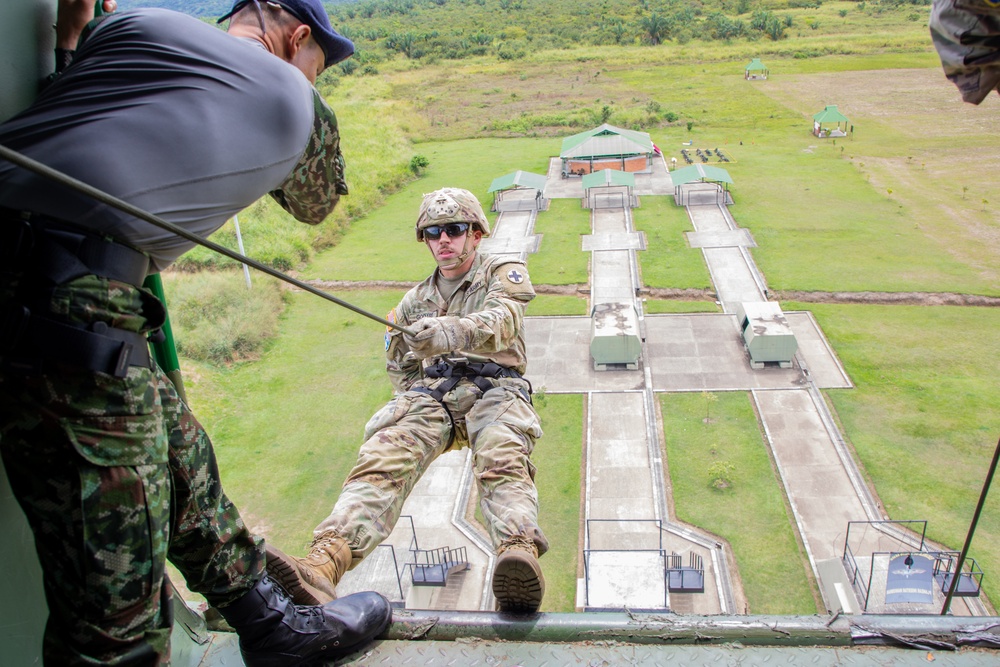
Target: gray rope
[{"x": 103, "y": 197}]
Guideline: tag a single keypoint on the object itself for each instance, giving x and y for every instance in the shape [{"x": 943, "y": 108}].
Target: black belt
[
  {"x": 29, "y": 341},
  {"x": 41, "y": 246}
]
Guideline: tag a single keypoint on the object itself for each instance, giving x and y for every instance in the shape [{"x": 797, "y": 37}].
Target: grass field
[
  {"x": 908, "y": 204},
  {"x": 749, "y": 509}
]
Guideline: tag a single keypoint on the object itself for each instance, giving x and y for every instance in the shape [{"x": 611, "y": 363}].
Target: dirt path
[{"x": 670, "y": 294}]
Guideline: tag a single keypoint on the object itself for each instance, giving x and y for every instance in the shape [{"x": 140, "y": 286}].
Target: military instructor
[{"x": 113, "y": 472}]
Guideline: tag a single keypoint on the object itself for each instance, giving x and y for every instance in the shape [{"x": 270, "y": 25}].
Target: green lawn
[
  {"x": 897, "y": 208},
  {"x": 382, "y": 245},
  {"x": 668, "y": 260},
  {"x": 560, "y": 259},
  {"x": 288, "y": 427},
  {"x": 558, "y": 457},
  {"x": 750, "y": 511},
  {"x": 922, "y": 416}
]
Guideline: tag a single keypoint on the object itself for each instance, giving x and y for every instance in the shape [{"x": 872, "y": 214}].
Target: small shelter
[
  {"x": 606, "y": 147},
  {"x": 831, "y": 123},
  {"x": 614, "y": 337},
  {"x": 717, "y": 182},
  {"x": 616, "y": 189},
  {"x": 755, "y": 70},
  {"x": 766, "y": 334},
  {"x": 518, "y": 191}
]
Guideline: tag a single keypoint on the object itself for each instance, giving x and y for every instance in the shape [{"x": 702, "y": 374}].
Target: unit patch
[
  {"x": 515, "y": 281},
  {"x": 391, "y": 317}
]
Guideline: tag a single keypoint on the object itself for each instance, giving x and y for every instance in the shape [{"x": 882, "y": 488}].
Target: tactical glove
[{"x": 436, "y": 335}]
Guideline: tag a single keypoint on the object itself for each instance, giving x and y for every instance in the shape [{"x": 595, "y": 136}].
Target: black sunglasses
[{"x": 453, "y": 230}]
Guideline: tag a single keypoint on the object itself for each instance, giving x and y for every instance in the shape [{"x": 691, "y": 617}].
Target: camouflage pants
[
  {"x": 412, "y": 430},
  {"x": 115, "y": 476}
]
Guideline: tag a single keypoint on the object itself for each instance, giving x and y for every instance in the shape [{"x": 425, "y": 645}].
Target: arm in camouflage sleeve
[
  {"x": 314, "y": 187},
  {"x": 496, "y": 325},
  {"x": 401, "y": 365}
]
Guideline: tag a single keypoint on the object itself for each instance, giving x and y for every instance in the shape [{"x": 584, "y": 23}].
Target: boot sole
[
  {"x": 283, "y": 570},
  {"x": 518, "y": 586}
]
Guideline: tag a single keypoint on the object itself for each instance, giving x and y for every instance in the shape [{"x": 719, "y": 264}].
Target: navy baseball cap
[{"x": 335, "y": 46}]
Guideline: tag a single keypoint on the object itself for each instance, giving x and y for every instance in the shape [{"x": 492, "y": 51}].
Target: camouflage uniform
[
  {"x": 130, "y": 481},
  {"x": 114, "y": 474},
  {"x": 404, "y": 437},
  {"x": 966, "y": 34}
]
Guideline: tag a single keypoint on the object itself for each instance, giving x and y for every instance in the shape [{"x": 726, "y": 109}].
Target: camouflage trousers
[
  {"x": 116, "y": 476},
  {"x": 412, "y": 430}
]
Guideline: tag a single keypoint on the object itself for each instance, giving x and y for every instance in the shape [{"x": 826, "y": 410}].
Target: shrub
[
  {"x": 720, "y": 474},
  {"x": 217, "y": 319},
  {"x": 418, "y": 163}
]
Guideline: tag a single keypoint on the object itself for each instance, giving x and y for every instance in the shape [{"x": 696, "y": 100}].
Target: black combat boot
[{"x": 274, "y": 631}]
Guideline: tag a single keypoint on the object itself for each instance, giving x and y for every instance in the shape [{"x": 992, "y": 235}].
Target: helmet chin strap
[{"x": 457, "y": 262}]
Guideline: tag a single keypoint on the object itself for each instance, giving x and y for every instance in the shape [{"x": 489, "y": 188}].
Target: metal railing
[{"x": 431, "y": 567}]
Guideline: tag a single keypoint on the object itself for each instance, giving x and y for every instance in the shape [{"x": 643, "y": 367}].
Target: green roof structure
[
  {"x": 606, "y": 147},
  {"x": 519, "y": 191},
  {"x": 606, "y": 141},
  {"x": 607, "y": 178},
  {"x": 517, "y": 179},
  {"x": 830, "y": 115},
  {"x": 755, "y": 70},
  {"x": 700, "y": 172},
  {"x": 831, "y": 118}
]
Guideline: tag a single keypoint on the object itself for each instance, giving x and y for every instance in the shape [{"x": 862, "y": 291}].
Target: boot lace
[
  {"x": 324, "y": 540},
  {"x": 517, "y": 542}
]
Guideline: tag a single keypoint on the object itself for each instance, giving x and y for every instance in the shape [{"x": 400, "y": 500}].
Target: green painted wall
[{"x": 26, "y": 41}]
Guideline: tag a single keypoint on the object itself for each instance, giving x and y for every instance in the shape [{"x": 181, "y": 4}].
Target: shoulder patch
[
  {"x": 514, "y": 277},
  {"x": 389, "y": 331},
  {"x": 517, "y": 277}
]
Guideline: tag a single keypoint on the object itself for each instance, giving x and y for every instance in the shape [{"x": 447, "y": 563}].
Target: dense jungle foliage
[{"x": 510, "y": 29}]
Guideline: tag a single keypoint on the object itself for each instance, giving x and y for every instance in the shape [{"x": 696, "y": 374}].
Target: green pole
[{"x": 165, "y": 352}]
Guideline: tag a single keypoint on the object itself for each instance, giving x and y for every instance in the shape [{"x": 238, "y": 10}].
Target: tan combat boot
[
  {"x": 311, "y": 580},
  {"x": 518, "y": 584}
]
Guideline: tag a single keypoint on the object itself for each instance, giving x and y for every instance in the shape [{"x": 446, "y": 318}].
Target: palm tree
[{"x": 655, "y": 28}]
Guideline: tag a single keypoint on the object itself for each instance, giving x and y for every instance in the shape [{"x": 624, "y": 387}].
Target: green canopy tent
[
  {"x": 513, "y": 192},
  {"x": 828, "y": 117},
  {"x": 755, "y": 70},
  {"x": 705, "y": 174},
  {"x": 609, "y": 179}
]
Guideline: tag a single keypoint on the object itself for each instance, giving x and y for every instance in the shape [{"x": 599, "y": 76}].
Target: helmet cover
[{"x": 448, "y": 205}]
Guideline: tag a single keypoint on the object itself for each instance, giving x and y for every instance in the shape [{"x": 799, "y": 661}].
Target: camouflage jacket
[{"x": 491, "y": 298}]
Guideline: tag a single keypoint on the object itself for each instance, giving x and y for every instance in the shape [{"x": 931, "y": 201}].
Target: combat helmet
[{"x": 451, "y": 205}]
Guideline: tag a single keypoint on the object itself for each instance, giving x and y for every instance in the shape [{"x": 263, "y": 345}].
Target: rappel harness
[
  {"x": 42, "y": 248},
  {"x": 454, "y": 369}
]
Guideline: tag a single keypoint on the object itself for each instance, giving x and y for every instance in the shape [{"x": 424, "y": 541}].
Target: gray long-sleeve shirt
[{"x": 180, "y": 119}]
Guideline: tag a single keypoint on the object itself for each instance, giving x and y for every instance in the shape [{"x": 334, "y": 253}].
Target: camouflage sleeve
[
  {"x": 495, "y": 327},
  {"x": 401, "y": 365},
  {"x": 314, "y": 187}
]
